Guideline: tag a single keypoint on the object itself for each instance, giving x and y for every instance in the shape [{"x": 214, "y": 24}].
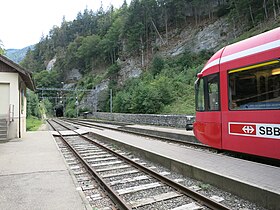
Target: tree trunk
[
  {"x": 166, "y": 26},
  {"x": 278, "y": 8},
  {"x": 142, "y": 52},
  {"x": 265, "y": 8},
  {"x": 274, "y": 9},
  {"x": 161, "y": 39},
  {"x": 251, "y": 15}
]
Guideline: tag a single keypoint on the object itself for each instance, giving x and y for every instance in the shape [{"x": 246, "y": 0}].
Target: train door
[
  {"x": 251, "y": 122},
  {"x": 208, "y": 116}
]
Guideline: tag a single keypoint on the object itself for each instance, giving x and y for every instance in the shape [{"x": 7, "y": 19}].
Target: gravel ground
[
  {"x": 230, "y": 200},
  {"x": 227, "y": 199}
]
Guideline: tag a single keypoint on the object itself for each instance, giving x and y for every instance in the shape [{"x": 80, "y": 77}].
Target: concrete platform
[
  {"x": 33, "y": 175},
  {"x": 173, "y": 133},
  {"x": 253, "y": 181},
  {"x": 165, "y": 132}
]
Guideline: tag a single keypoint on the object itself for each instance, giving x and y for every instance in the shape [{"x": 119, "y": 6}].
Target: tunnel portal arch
[{"x": 59, "y": 111}]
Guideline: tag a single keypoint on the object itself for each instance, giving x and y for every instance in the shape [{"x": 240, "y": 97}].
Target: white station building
[{"x": 14, "y": 80}]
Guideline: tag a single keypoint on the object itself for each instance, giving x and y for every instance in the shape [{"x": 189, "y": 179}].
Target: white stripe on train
[{"x": 251, "y": 51}]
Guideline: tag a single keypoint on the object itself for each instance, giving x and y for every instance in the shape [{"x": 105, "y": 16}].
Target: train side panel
[
  {"x": 207, "y": 128},
  {"x": 251, "y": 129},
  {"x": 248, "y": 120}
]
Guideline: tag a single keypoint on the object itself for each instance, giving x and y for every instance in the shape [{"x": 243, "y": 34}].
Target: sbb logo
[
  {"x": 255, "y": 129},
  {"x": 269, "y": 131}
]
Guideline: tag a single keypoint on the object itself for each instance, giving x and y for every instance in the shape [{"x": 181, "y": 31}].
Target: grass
[{"x": 33, "y": 123}]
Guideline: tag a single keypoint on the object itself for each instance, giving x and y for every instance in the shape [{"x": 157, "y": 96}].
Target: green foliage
[
  {"x": 48, "y": 107},
  {"x": 157, "y": 65},
  {"x": 113, "y": 70},
  {"x": 223, "y": 10},
  {"x": 102, "y": 37},
  {"x": 252, "y": 12},
  {"x": 71, "y": 113},
  {"x": 170, "y": 90},
  {"x": 47, "y": 79},
  {"x": 89, "y": 50},
  {"x": 70, "y": 110},
  {"x": 33, "y": 108},
  {"x": 96, "y": 40},
  {"x": 2, "y": 51},
  {"x": 144, "y": 96},
  {"x": 33, "y": 123}
]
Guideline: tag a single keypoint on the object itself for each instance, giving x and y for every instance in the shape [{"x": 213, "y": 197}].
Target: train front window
[
  {"x": 255, "y": 87},
  {"x": 207, "y": 93},
  {"x": 199, "y": 92}
]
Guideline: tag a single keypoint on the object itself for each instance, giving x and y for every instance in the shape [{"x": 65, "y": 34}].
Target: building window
[{"x": 255, "y": 87}]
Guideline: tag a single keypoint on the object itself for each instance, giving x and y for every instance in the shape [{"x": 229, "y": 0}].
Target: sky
[{"x": 24, "y": 22}]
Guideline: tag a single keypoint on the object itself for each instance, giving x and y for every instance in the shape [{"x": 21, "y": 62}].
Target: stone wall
[{"x": 178, "y": 121}]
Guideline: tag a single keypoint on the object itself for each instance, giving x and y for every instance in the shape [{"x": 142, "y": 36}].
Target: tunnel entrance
[{"x": 59, "y": 111}]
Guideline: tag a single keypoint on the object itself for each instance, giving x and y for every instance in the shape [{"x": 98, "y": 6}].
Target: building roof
[{"x": 24, "y": 74}]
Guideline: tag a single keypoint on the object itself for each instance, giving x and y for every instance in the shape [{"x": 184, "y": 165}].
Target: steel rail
[
  {"x": 244, "y": 156},
  {"x": 119, "y": 202},
  {"x": 181, "y": 188},
  {"x": 172, "y": 140}
]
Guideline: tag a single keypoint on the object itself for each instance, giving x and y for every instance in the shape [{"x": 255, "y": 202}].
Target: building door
[{"x": 5, "y": 99}]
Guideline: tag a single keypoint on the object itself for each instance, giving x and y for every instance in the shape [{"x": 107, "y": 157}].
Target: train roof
[{"x": 256, "y": 44}]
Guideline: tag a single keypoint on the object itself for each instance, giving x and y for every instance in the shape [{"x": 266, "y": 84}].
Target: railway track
[
  {"x": 195, "y": 145},
  {"x": 125, "y": 183},
  {"x": 95, "y": 125}
]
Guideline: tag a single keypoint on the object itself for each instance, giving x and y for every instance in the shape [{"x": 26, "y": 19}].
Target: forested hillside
[
  {"x": 126, "y": 50},
  {"x": 17, "y": 55}
]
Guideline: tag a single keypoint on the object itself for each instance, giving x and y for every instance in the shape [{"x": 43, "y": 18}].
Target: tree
[
  {"x": 33, "y": 108},
  {"x": 45, "y": 79},
  {"x": 89, "y": 50},
  {"x": 111, "y": 43},
  {"x": 2, "y": 51}
]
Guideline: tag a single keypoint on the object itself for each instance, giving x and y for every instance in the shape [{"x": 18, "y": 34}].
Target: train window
[
  {"x": 213, "y": 92},
  {"x": 207, "y": 93},
  {"x": 199, "y": 89},
  {"x": 255, "y": 87}
]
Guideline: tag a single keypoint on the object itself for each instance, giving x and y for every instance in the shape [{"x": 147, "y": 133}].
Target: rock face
[
  {"x": 73, "y": 76},
  {"x": 51, "y": 64},
  {"x": 96, "y": 97},
  {"x": 209, "y": 37},
  {"x": 205, "y": 37},
  {"x": 129, "y": 69}
]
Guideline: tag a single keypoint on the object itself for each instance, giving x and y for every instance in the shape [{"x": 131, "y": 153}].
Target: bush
[
  {"x": 71, "y": 113},
  {"x": 33, "y": 108},
  {"x": 113, "y": 70},
  {"x": 157, "y": 65},
  {"x": 33, "y": 123},
  {"x": 167, "y": 88}
]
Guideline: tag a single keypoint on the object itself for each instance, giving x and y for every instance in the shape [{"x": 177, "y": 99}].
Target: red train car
[{"x": 238, "y": 97}]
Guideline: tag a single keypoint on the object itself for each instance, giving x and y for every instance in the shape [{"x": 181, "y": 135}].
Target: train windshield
[
  {"x": 208, "y": 93},
  {"x": 255, "y": 87},
  {"x": 199, "y": 94}
]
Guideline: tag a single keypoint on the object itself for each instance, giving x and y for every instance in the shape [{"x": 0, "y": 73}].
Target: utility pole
[
  {"x": 77, "y": 110},
  {"x": 111, "y": 101}
]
